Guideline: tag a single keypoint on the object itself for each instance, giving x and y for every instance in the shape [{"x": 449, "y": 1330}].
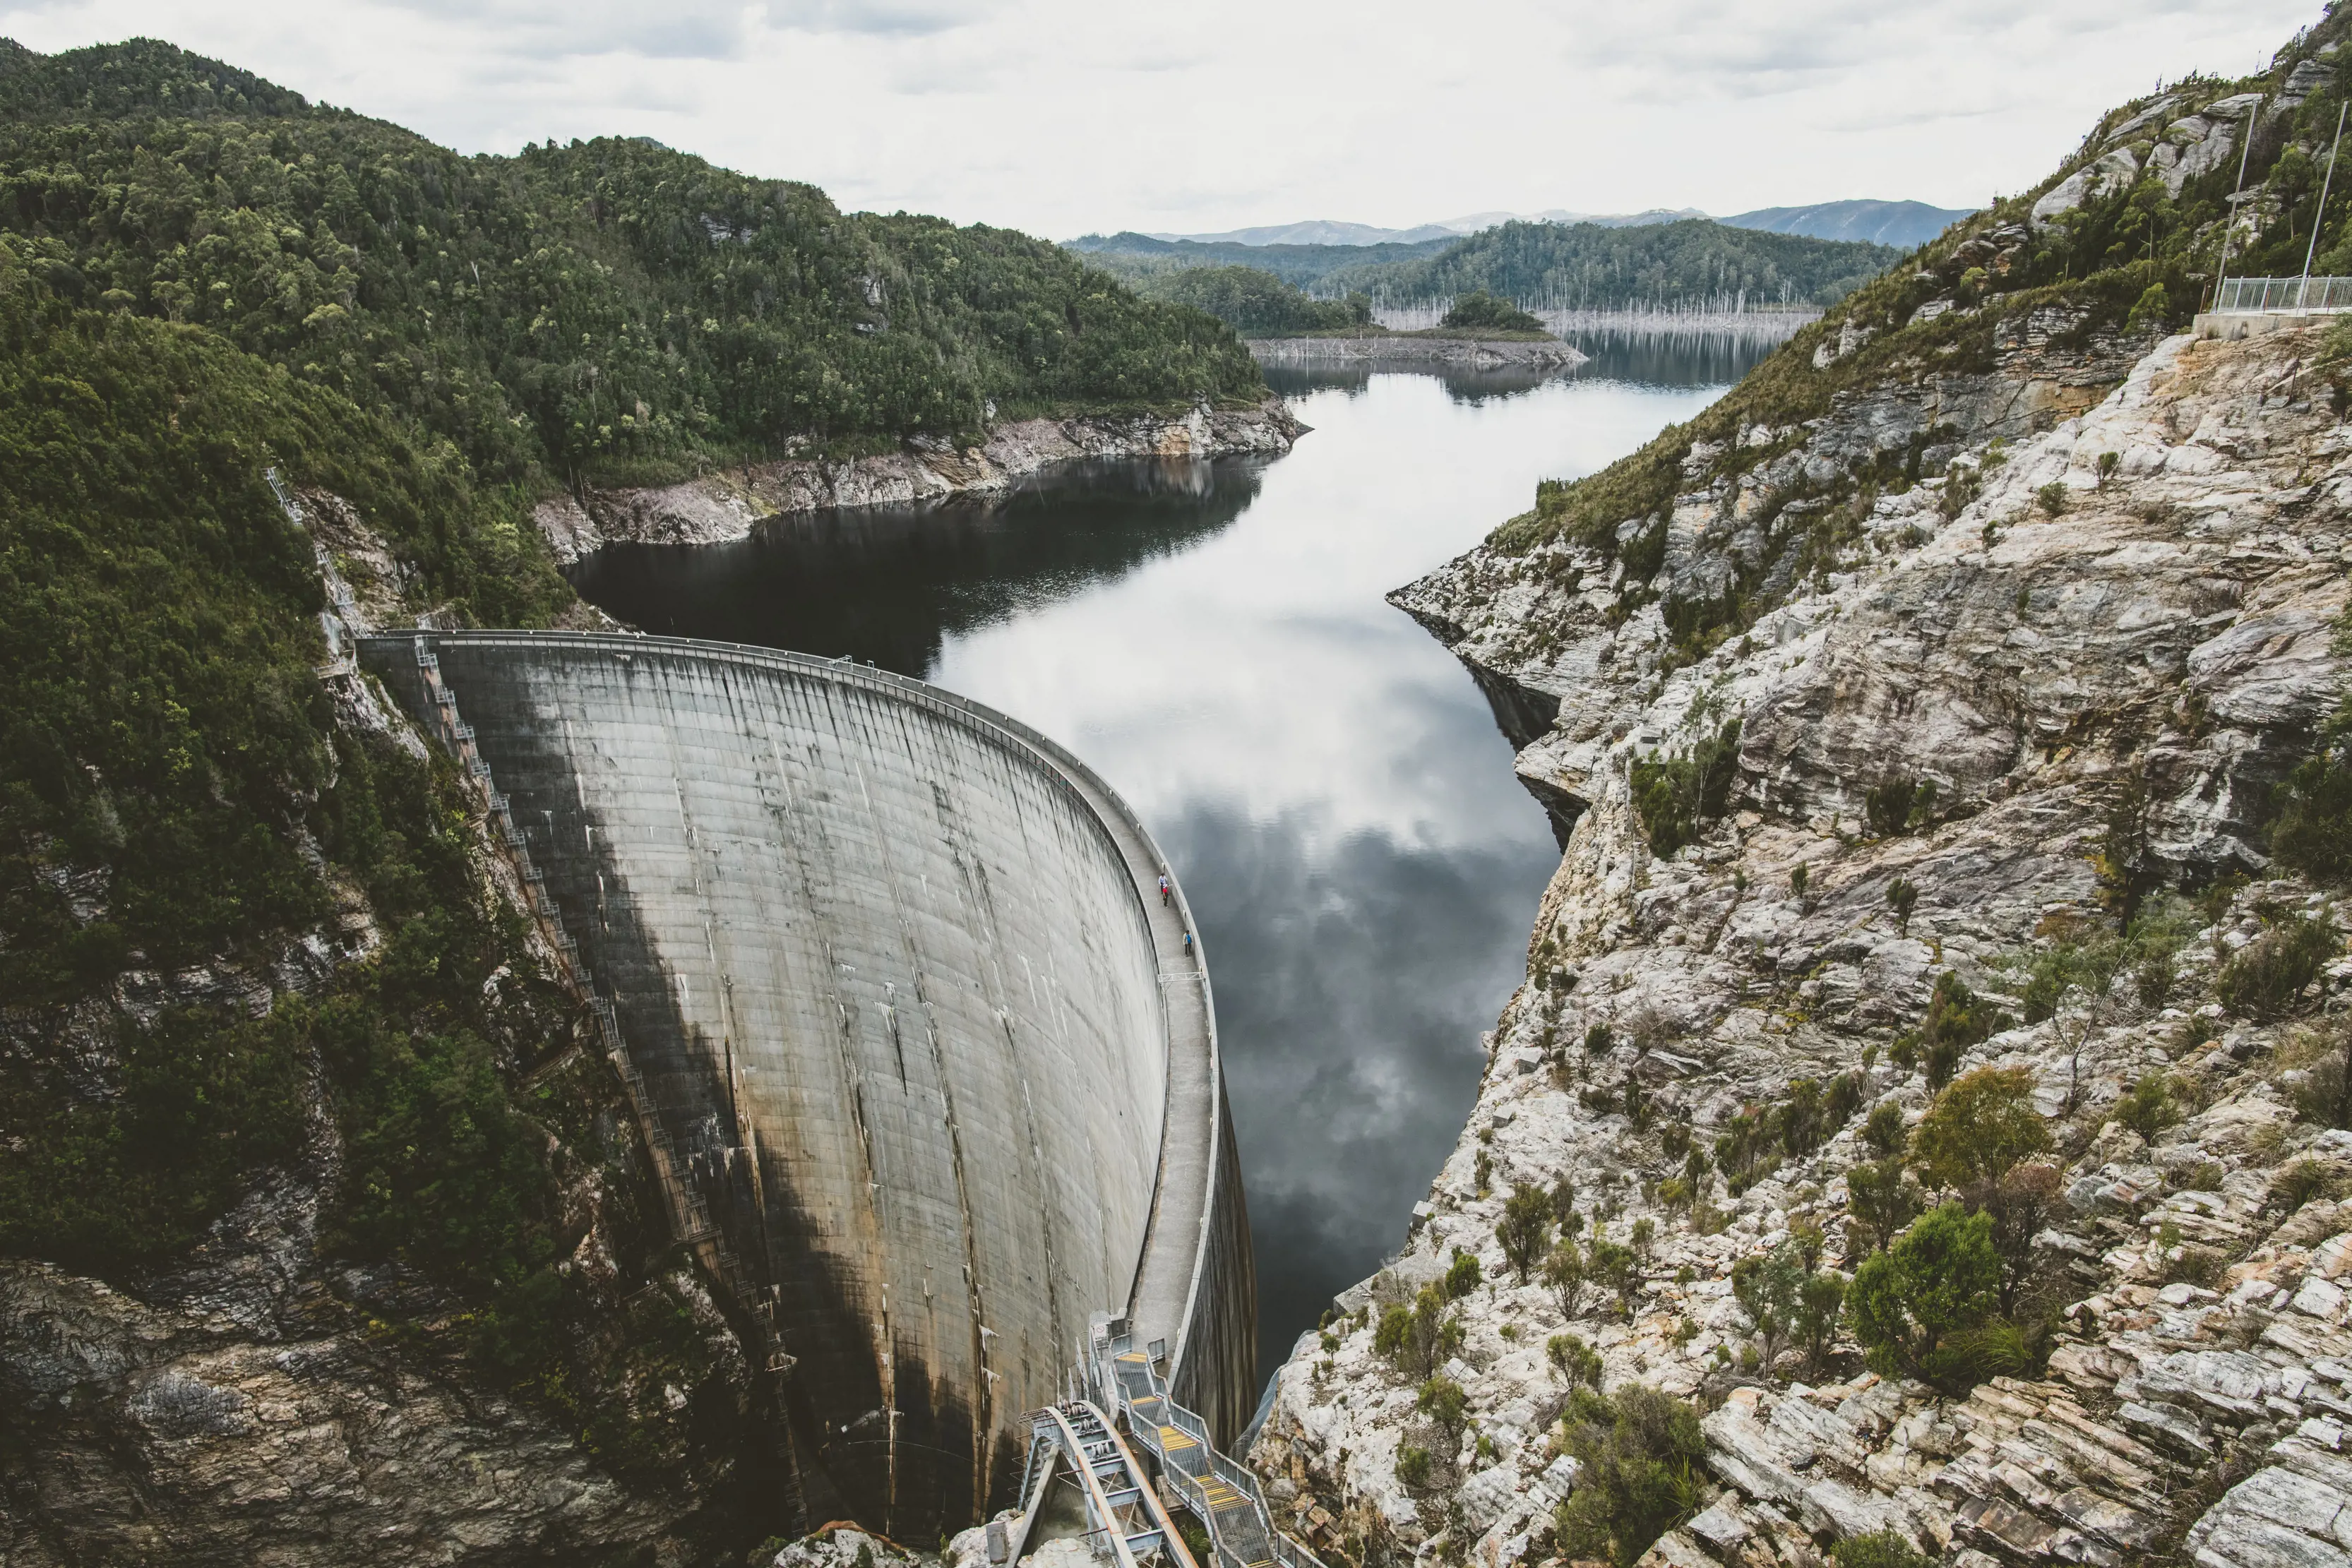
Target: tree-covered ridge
[
  {"x": 1133, "y": 255},
  {"x": 1585, "y": 267},
  {"x": 2139, "y": 251},
  {"x": 1255, "y": 303},
  {"x": 178, "y": 803},
  {"x": 608, "y": 309}
]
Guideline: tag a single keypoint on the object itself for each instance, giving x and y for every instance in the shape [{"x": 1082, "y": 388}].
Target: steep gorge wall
[{"x": 2106, "y": 685}]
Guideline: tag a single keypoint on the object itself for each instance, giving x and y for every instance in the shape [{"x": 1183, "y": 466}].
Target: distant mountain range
[{"x": 1899, "y": 224}]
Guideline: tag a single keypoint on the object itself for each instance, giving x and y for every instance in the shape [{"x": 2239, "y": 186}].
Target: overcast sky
[{"x": 1064, "y": 116}]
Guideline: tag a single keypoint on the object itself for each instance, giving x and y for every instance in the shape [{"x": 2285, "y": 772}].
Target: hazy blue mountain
[
  {"x": 1321, "y": 231},
  {"x": 1899, "y": 224}
]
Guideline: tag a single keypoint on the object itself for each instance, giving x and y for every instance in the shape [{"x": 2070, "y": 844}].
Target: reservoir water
[{"x": 1331, "y": 787}]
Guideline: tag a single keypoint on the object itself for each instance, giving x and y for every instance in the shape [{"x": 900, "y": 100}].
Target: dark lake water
[{"x": 1212, "y": 637}]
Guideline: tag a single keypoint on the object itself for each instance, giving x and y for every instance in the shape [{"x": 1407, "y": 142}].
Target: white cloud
[{"x": 1061, "y": 116}]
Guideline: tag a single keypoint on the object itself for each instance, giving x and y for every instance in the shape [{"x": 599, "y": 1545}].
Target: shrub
[
  {"x": 1766, "y": 1289},
  {"x": 1887, "y": 806},
  {"x": 1800, "y": 877},
  {"x": 1419, "y": 1338},
  {"x": 2313, "y": 831},
  {"x": 1524, "y": 1228},
  {"x": 2324, "y": 1096},
  {"x": 1565, "y": 1272},
  {"x": 2052, "y": 498},
  {"x": 1880, "y": 1549},
  {"x": 1742, "y": 1143},
  {"x": 1578, "y": 1363},
  {"x": 1979, "y": 1129},
  {"x": 1675, "y": 796},
  {"x": 1563, "y": 1198},
  {"x": 1911, "y": 1304},
  {"x": 1413, "y": 1466},
  {"x": 1902, "y": 897},
  {"x": 1615, "y": 1268},
  {"x": 1478, "y": 310},
  {"x": 1881, "y": 1198},
  {"x": 2149, "y": 1108},
  {"x": 1885, "y": 1134},
  {"x": 1640, "y": 1454},
  {"x": 2301, "y": 1182},
  {"x": 1442, "y": 1400},
  {"x": 2150, "y": 314},
  {"x": 1800, "y": 1118},
  {"x": 1956, "y": 1019},
  {"x": 1462, "y": 1276},
  {"x": 1843, "y": 1099},
  {"x": 2269, "y": 975},
  {"x": 1821, "y": 1306}
]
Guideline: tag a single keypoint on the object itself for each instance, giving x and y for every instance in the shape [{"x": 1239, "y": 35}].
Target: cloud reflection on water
[{"x": 1327, "y": 778}]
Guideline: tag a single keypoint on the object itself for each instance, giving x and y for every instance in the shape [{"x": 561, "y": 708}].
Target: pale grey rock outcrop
[
  {"x": 1465, "y": 353},
  {"x": 727, "y": 504},
  {"x": 2169, "y": 629}
]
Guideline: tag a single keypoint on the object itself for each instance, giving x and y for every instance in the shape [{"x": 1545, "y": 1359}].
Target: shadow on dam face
[{"x": 923, "y": 1063}]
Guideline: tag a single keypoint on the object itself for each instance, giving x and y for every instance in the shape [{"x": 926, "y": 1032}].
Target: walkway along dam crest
[{"x": 925, "y": 1068}]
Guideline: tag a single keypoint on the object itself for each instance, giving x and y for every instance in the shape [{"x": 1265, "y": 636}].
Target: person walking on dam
[{"x": 1163, "y": 888}]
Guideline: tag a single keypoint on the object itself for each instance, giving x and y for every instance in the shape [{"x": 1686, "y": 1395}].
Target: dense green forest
[
  {"x": 1255, "y": 303},
  {"x": 1134, "y": 256},
  {"x": 1584, "y": 266},
  {"x": 202, "y": 277},
  {"x": 176, "y": 797},
  {"x": 1578, "y": 267},
  {"x": 607, "y": 309}
]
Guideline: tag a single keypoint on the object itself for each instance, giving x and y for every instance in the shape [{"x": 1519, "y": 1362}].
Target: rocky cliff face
[
  {"x": 725, "y": 504},
  {"x": 270, "y": 1399},
  {"x": 2102, "y": 683}
]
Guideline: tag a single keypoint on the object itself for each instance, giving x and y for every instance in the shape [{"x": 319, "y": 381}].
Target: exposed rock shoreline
[
  {"x": 2165, "y": 638},
  {"x": 726, "y": 504},
  {"x": 1465, "y": 353}
]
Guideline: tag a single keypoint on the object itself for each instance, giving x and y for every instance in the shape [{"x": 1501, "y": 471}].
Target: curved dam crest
[{"x": 931, "y": 1072}]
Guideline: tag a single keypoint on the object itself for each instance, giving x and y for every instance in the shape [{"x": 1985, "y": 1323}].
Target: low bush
[
  {"x": 1524, "y": 1229},
  {"x": 1766, "y": 1289},
  {"x": 1880, "y": 1549},
  {"x": 1478, "y": 310},
  {"x": 1917, "y": 1307},
  {"x": 2313, "y": 831},
  {"x": 1414, "y": 1466},
  {"x": 2149, "y": 1108},
  {"x": 1578, "y": 1363},
  {"x": 2268, "y": 976},
  {"x": 1675, "y": 796},
  {"x": 1640, "y": 1453}
]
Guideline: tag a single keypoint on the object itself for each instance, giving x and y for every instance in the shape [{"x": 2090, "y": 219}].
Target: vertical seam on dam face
[{"x": 779, "y": 868}]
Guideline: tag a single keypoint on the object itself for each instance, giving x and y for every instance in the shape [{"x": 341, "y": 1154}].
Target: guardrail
[
  {"x": 1220, "y": 1491},
  {"x": 2282, "y": 296}
]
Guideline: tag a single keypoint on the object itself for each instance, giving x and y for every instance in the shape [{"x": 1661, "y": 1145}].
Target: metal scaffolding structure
[{"x": 1122, "y": 1384}]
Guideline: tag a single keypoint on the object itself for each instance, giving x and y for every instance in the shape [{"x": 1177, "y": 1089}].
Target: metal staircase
[{"x": 1219, "y": 1491}]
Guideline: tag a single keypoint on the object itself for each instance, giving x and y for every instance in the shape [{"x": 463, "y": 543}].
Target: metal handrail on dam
[
  {"x": 926, "y": 1072},
  {"x": 1120, "y": 1377}
]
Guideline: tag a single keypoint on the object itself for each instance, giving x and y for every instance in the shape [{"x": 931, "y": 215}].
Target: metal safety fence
[{"x": 2281, "y": 296}]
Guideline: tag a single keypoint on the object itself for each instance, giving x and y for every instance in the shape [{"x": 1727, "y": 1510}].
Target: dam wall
[{"x": 921, "y": 1052}]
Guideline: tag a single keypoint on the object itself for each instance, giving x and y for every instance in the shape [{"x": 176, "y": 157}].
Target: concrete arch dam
[{"x": 925, "y": 1066}]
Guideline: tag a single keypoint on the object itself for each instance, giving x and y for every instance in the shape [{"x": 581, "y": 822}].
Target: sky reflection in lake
[{"x": 1327, "y": 780}]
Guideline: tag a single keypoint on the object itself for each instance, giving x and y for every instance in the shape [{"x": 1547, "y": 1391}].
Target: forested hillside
[
  {"x": 1255, "y": 303},
  {"x": 1584, "y": 266},
  {"x": 250, "y": 961},
  {"x": 609, "y": 310},
  {"x": 1132, "y": 255}
]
